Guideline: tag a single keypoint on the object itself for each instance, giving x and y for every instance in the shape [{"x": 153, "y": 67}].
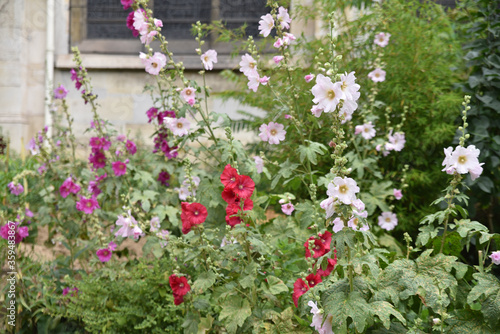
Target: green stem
[{"x": 350, "y": 269}]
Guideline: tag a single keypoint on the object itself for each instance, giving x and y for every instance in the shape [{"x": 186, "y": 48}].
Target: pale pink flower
[
  {"x": 397, "y": 194},
  {"x": 248, "y": 65},
  {"x": 287, "y": 208},
  {"x": 112, "y": 246},
  {"x": 60, "y": 92},
  {"x": 396, "y": 141},
  {"x": 179, "y": 126},
  {"x": 155, "y": 63},
  {"x": 326, "y": 93},
  {"x": 129, "y": 227},
  {"x": 188, "y": 93},
  {"x": 288, "y": 116},
  {"x": 158, "y": 23},
  {"x": 259, "y": 163},
  {"x": 155, "y": 224},
  {"x": 208, "y": 59},
  {"x": 495, "y": 257},
  {"x": 309, "y": 77},
  {"x": 15, "y": 188},
  {"x": 277, "y": 59},
  {"x": 377, "y": 75},
  {"x": 463, "y": 160},
  {"x": 288, "y": 38},
  {"x": 264, "y": 80},
  {"x": 140, "y": 23},
  {"x": 266, "y": 24},
  {"x": 273, "y": 132},
  {"x": 388, "y": 221},
  {"x": 146, "y": 39},
  {"x": 329, "y": 206},
  {"x": 183, "y": 192},
  {"x": 344, "y": 189},
  {"x": 320, "y": 325},
  {"x": 366, "y": 130},
  {"x": 316, "y": 110},
  {"x": 278, "y": 43},
  {"x": 338, "y": 225},
  {"x": 253, "y": 81},
  {"x": 283, "y": 18},
  {"x": 382, "y": 39},
  {"x": 226, "y": 241},
  {"x": 358, "y": 204},
  {"x": 349, "y": 86}
]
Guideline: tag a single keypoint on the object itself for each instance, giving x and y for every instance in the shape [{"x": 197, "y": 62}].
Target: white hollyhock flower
[
  {"x": 208, "y": 59},
  {"x": 179, "y": 126},
  {"x": 367, "y": 130},
  {"x": 283, "y": 18},
  {"x": 273, "y": 132},
  {"x": 326, "y": 93},
  {"x": 248, "y": 65},
  {"x": 382, "y": 39},
  {"x": 349, "y": 86},
  {"x": 396, "y": 141},
  {"x": 266, "y": 24},
  {"x": 377, "y": 75},
  {"x": 463, "y": 160},
  {"x": 344, "y": 189},
  {"x": 388, "y": 221},
  {"x": 317, "y": 320},
  {"x": 329, "y": 206}
]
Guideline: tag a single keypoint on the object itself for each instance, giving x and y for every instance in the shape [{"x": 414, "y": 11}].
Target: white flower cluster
[{"x": 463, "y": 160}]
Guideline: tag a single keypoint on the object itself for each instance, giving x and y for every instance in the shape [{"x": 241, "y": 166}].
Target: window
[{"x": 99, "y": 26}]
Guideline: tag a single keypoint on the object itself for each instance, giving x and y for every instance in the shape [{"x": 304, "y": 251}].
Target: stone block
[{"x": 9, "y": 74}]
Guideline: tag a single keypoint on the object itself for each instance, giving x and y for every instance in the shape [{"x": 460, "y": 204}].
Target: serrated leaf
[
  {"x": 235, "y": 311},
  {"x": 342, "y": 304},
  {"x": 384, "y": 310},
  {"x": 489, "y": 287},
  {"x": 276, "y": 286},
  {"x": 204, "y": 281}
]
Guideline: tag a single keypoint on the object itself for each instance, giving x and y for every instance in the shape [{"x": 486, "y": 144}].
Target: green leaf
[
  {"x": 235, "y": 311},
  {"x": 190, "y": 324},
  {"x": 342, "y": 304},
  {"x": 204, "y": 281},
  {"x": 384, "y": 310},
  {"x": 205, "y": 324},
  {"x": 487, "y": 292},
  {"x": 310, "y": 152},
  {"x": 249, "y": 275},
  {"x": 276, "y": 286}
]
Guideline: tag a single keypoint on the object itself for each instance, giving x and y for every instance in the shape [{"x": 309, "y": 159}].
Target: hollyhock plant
[
  {"x": 163, "y": 178},
  {"x": 98, "y": 143},
  {"x": 344, "y": 189},
  {"x": 366, "y": 130},
  {"x": 19, "y": 232},
  {"x": 155, "y": 63},
  {"x": 131, "y": 147},
  {"x": 60, "y": 92},
  {"x": 329, "y": 206},
  {"x": 273, "y": 132},
  {"x": 266, "y": 24},
  {"x": 130, "y": 24},
  {"x": 140, "y": 21},
  {"x": 382, "y": 39},
  {"x": 283, "y": 18},
  {"x": 299, "y": 288},
  {"x": 119, "y": 168},
  {"x": 126, "y": 4},
  {"x": 87, "y": 205},
  {"x": 463, "y": 160},
  {"x": 188, "y": 94},
  {"x": 104, "y": 254},
  {"x": 147, "y": 38},
  {"x": 326, "y": 93},
  {"x": 208, "y": 59},
  {"x": 320, "y": 325},
  {"x": 152, "y": 113},
  {"x": 349, "y": 86},
  {"x": 338, "y": 225},
  {"x": 318, "y": 248},
  {"x": 67, "y": 187},
  {"x": 15, "y": 188},
  {"x": 495, "y": 257},
  {"x": 287, "y": 208},
  {"x": 248, "y": 65},
  {"x": 388, "y": 221},
  {"x": 377, "y": 75},
  {"x": 192, "y": 214},
  {"x": 397, "y": 194}
]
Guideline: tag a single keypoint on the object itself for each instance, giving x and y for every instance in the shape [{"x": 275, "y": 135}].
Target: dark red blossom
[
  {"x": 312, "y": 280},
  {"x": 244, "y": 186},
  {"x": 178, "y": 299},
  {"x": 326, "y": 239},
  {"x": 299, "y": 288},
  {"x": 163, "y": 178},
  {"x": 329, "y": 268},
  {"x": 229, "y": 177},
  {"x": 180, "y": 287},
  {"x": 318, "y": 248},
  {"x": 192, "y": 214}
]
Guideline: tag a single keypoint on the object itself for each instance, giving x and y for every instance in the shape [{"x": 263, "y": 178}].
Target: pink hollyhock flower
[
  {"x": 140, "y": 21},
  {"x": 130, "y": 24},
  {"x": 377, "y": 75},
  {"x": 259, "y": 164},
  {"x": 67, "y": 187},
  {"x": 119, "y": 168},
  {"x": 77, "y": 79},
  {"x": 266, "y": 24},
  {"x": 279, "y": 43},
  {"x": 264, "y": 80},
  {"x": 316, "y": 110},
  {"x": 329, "y": 206},
  {"x": 397, "y": 194},
  {"x": 322, "y": 327},
  {"x": 248, "y": 65},
  {"x": 463, "y": 160},
  {"x": 28, "y": 213},
  {"x": 13, "y": 230},
  {"x": 208, "y": 59},
  {"x": 388, "y": 221},
  {"x": 278, "y": 59},
  {"x": 100, "y": 143},
  {"x": 15, "y": 189},
  {"x": 188, "y": 93},
  {"x": 60, "y": 92},
  {"x": 112, "y": 246},
  {"x": 309, "y": 77},
  {"x": 155, "y": 63},
  {"x": 287, "y": 208},
  {"x": 127, "y": 4},
  {"x": 129, "y": 227},
  {"x": 152, "y": 113},
  {"x": 253, "y": 81},
  {"x": 338, "y": 225},
  {"x": 326, "y": 93},
  {"x": 495, "y": 257},
  {"x": 273, "y": 132},
  {"x": 283, "y": 18},
  {"x": 382, "y": 39},
  {"x": 87, "y": 205},
  {"x": 344, "y": 189},
  {"x": 179, "y": 126},
  {"x": 349, "y": 86},
  {"x": 396, "y": 141},
  {"x": 104, "y": 254},
  {"x": 366, "y": 130},
  {"x": 154, "y": 224},
  {"x": 97, "y": 158},
  {"x": 146, "y": 39},
  {"x": 131, "y": 147},
  {"x": 42, "y": 169},
  {"x": 158, "y": 23}
]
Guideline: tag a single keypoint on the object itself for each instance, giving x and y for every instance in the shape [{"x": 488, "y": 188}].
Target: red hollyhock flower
[
  {"x": 192, "y": 214},
  {"x": 329, "y": 268},
  {"x": 229, "y": 177},
  {"x": 312, "y": 280},
  {"x": 178, "y": 299},
  {"x": 326, "y": 239},
  {"x": 231, "y": 210},
  {"x": 318, "y": 248},
  {"x": 299, "y": 288},
  {"x": 244, "y": 186},
  {"x": 179, "y": 285}
]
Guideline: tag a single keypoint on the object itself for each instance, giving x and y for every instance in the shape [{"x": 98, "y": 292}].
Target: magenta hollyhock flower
[
  {"x": 87, "y": 205},
  {"x": 15, "y": 189},
  {"x": 68, "y": 187},
  {"x": 104, "y": 254},
  {"x": 65, "y": 291},
  {"x": 112, "y": 246},
  {"x": 28, "y": 213},
  {"x": 127, "y": 4},
  {"x": 100, "y": 143},
  {"x": 165, "y": 114},
  {"x": 119, "y": 168},
  {"x": 13, "y": 229},
  {"x": 287, "y": 208},
  {"x": 130, "y": 24},
  {"x": 97, "y": 158},
  {"x": 60, "y": 92},
  {"x": 121, "y": 138},
  {"x": 152, "y": 113},
  {"x": 131, "y": 148},
  {"x": 163, "y": 178},
  {"x": 397, "y": 194},
  {"x": 77, "y": 79}
]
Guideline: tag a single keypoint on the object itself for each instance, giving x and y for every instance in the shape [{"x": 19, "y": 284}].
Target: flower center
[
  {"x": 377, "y": 74},
  {"x": 206, "y": 58},
  {"x": 366, "y": 130},
  {"x": 311, "y": 283},
  {"x": 304, "y": 289},
  {"x": 233, "y": 179},
  {"x": 188, "y": 92},
  {"x": 89, "y": 204},
  {"x": 240, "y": 187},
  {"x": 462, "y": 159},
  {"x": 343, "y": 189},
  {"x": 179, "y": 125},
  {"x": 251, "y": 65},
  {"x": 155, "y": 65},
  {"x": 273, "y": 132},
  {"x": 181, "y": 285},
  {"x": 196, "y": 213},
  {"x": 331, "y": 94},
  {"x": 388, "y": 219}
]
